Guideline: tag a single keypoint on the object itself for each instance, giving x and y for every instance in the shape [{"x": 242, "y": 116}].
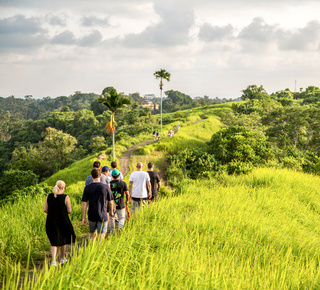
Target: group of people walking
[{"x": 105, "y": 200}]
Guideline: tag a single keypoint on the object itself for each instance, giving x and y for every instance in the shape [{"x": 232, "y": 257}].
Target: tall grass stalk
[{"x": 260, "y": 232}]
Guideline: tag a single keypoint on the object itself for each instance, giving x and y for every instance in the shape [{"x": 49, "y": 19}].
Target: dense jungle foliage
[
  {"x": 281, "y": 129},
  {"x": 44, "y": 136},
  {"x": 277, "y": 130}
]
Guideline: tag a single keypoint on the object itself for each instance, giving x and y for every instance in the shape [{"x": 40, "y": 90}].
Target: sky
[{"x": 210, "y": 47}]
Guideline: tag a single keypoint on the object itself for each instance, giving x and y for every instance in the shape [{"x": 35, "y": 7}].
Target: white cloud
[
  {"x": 210, "y": 47},
  {"x": 215, "y": 33},
  {"x": 64, "y": 38},
  {"x": 306, "y": 38}
]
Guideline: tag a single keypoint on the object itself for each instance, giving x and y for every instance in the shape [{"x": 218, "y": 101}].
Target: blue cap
[{"x": 105, "y": 168}]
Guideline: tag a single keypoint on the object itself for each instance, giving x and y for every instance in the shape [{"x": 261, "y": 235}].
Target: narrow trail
[
  {"x": 125, "y": 158},
  {"x": 84, "y": 238}
]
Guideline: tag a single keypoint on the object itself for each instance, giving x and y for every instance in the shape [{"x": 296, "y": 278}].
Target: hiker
[
  {"x": 98, "y": 195},
  {"x": 157, "y": 134},
  {"x": 59, "y": 228},
  {"x": 154, "y": 135},
  {"x": 119, "y": 189},
  {"x": 103, "y": 178},
  {"x": 106, "y": 171},
  {"x": 178, "y": 126},
  {"x": 155, "y": 182},
  {"x": 114, "y": 166},
  {"x": 169, "y": 133},
  {"x": 137, "y": 187}
]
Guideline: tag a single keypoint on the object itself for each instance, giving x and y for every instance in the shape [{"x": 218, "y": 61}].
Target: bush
[
  {"x": 16, "y": 179},
  {"x": 142, "y": 151},
  {"x": 292, "y": 163},
  {"x": 239, "y": 168},
  {"x": 239, "y": 144},
  {"x": 191, "y": 163},
  {"x": 37, "y": 190}
]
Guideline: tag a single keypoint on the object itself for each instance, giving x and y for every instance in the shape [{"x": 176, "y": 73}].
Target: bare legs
[
  {"x": 95, "y": 234},
  {"x": 54, "y": 250},
  {"x": 63, "y": 252},
  {"x": 53, "y": 253}
]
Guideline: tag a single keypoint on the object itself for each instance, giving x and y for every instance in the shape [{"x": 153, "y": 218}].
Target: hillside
[{"x": 252, "y": 231}]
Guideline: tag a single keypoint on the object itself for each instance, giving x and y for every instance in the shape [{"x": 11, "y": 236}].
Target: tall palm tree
[
  {"x": 113, "y": 100},
  {"x": 162, "y": 74}
]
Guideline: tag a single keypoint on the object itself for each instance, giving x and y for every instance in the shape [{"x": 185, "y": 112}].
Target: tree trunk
[
  {"x": 161, "y": 111},
  {"x": 113, "y": 153}
]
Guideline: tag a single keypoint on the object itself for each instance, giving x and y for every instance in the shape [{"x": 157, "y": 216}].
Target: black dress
[{"x": 58, "y": 225}]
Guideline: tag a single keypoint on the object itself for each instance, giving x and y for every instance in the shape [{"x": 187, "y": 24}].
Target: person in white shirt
[{"x": 139, "y": 180}]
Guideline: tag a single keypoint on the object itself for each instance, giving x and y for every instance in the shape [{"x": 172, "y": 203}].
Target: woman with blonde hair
[{"x": 58, "y": 225}]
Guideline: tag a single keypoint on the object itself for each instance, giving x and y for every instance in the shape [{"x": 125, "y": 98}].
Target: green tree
[
  {"x": 55, "y": 152},
  {"x": 162, "y": 74},
  {"x": 16, "y": 179},
  {"x": 240, "y": 144},
  {"x": 136, "y": 97},
  {"x": 97, "y": 143},
  {"x": 311, "y": 96},
  {"x": 296, "y": 126},
  {"x": 284, "y": 97},
  {"x": 253, "y": 92},
  {"x": 113, "y": 101}
]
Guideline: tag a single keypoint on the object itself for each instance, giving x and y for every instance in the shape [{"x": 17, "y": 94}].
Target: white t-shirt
[{"x": 139, "y": 183}]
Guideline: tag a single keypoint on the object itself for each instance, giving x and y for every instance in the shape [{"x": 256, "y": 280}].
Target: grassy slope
[
  {"x": 17, "y": 237},
  {"x": 255, "y": 231}
]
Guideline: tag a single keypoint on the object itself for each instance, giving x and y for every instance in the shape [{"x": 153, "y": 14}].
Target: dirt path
[
  {"x": 83, "y": 238},
  {"x": 125, "y": 158}
]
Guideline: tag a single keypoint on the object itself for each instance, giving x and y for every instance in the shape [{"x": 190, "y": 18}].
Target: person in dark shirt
[
  {"x": 98, "y": 195},
  {"x": 155, "y": 181},
  {"x": 119, "y": 189}
]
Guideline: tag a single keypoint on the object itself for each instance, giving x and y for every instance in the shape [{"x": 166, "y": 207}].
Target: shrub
[
  {"x": 142, "y": 151},
  {"x": 37, "y": 190},
  {"x": 16, "y": 179},
  {"x": 239, "y": 168},
  {"x": 240, "y": 144},
  {"x": 191, "y": 163}
]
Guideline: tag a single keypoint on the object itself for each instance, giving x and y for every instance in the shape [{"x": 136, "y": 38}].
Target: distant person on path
[
  {"x": 155, "y": 181},
  {"x": 106, "y": 171},
  {"x": 119, "y": 189},
  {"x": 178, "y": 126},
  {"x": 98, "y": 195},
  {"x": 139, "y": 181},
  {"x": 154, "y": 135},
  {"x": 114, "y": 166},
  {"x": 58, "y": 225},
  {"x": 103, "y": 178},
  {"x": 157, "y": 134}
]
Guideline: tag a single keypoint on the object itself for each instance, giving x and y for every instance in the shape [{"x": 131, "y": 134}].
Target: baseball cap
[
  {"x": 115, "y": 173},
  {"x": 105, "y": 168}
]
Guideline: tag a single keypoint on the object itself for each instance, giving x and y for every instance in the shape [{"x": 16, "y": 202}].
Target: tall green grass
[
  {"x": 259, "y": 232},
  {"x": 255, "y": 231},
  {"x": 192, "y": 136}
]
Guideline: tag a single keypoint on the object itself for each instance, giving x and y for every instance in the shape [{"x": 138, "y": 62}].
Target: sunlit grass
[
  {"x": 255, "y": 231},
  {"x": 259, "y": 232}
]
